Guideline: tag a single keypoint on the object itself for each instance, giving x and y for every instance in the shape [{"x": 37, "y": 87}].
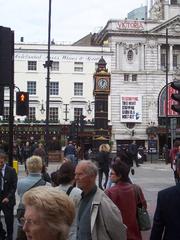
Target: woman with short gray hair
[{"x": 49, "y": 214}]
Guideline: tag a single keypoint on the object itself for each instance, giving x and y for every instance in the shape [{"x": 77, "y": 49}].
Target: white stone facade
[{"x": 67, "y": 57}]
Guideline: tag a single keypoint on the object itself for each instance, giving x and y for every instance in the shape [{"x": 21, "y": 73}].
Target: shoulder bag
[
  {"x": 142, "y": 213},
  {"x": 21, "y": 209}
]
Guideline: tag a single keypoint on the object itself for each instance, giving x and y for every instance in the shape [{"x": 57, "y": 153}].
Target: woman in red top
[{"x": 124, "y": 196}]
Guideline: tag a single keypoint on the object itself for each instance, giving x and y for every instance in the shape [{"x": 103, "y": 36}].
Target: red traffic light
[
  {"x": 176, "y": 85},
  {"x": 176, "y": 96},
  {"x": 22, "y": 97},
  {"x": 22, "y": 103}
]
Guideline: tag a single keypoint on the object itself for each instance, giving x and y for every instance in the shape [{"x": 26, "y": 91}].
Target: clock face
[{"x": 102, "y": 83}]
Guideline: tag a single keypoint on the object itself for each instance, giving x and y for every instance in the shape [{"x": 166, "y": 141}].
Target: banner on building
[{"x": 131, "y": 108}]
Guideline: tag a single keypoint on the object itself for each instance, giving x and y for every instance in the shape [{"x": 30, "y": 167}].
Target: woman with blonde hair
[
  {"x": 103, "y": 163},
  {"x": 49, "y": 214}
]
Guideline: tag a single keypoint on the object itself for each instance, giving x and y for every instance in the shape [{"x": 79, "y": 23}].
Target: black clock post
[{"x": 101, "y": 92}]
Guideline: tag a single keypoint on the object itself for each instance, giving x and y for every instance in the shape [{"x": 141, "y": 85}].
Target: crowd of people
[{"x": 71, "y": 204}]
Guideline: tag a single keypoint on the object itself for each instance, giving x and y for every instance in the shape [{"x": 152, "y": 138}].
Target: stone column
[
  {"x": 159, "y": 57},
  {"x": 117, "y": 56},
  {"x": 142, "y": 57},
  {"x": 171, "y": 57}
]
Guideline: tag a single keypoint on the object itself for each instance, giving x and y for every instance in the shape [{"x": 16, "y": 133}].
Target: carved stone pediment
[{"x": 173, "y": 26}]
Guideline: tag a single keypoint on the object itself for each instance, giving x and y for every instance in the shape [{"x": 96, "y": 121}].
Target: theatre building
[{"x": 139, "y": 76}]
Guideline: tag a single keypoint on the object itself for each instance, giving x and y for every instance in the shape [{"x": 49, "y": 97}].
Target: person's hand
[{"x": 5, "y": 200}]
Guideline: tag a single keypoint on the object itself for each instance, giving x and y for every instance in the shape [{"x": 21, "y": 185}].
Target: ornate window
[{"x": 130, "y": 55}]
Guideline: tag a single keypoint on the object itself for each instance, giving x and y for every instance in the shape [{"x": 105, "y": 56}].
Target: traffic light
[
  {"x": 6, "y": 56},
  {"x": 22, "y": 103},
  {"x": 82, "y": 122},
  {"x": 176, "y": 96}
]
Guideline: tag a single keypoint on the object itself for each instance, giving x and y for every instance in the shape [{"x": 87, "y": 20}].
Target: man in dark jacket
[
  {"x": 8, "y": 184},
  {"x": 133, "y": 150},
  {"x": 70, "y": 153},
  {"x": 166, "y": 224}
]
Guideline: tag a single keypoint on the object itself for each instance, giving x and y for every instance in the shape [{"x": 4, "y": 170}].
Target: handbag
[
  {"x": 142, "y": 213},
  {"x": 143, "y": 219}
]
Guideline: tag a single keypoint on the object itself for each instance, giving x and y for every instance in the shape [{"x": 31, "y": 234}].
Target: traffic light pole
[
  {"x": 11, "y": 106},
  {"x": 11, "y": 123},
  {"x": 167, "y": 70}
]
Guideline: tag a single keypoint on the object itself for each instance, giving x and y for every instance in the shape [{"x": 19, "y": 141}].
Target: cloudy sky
[{"x": 71, "y": 19}]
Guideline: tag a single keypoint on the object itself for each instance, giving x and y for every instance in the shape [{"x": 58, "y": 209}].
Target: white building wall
[{"x": 66, "y": 76}]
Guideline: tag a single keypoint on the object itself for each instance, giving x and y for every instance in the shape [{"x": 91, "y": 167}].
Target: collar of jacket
[{"x": 95, "y": 205}]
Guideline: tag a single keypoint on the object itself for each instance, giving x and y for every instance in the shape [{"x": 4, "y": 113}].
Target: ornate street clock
[{"x": 101, "y": 92}]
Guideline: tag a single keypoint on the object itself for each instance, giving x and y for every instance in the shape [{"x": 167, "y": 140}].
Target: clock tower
[{"x": 101, "y": 92}]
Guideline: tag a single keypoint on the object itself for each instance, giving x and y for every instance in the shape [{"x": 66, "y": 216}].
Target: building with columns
[{"x": 139, "y": 76}]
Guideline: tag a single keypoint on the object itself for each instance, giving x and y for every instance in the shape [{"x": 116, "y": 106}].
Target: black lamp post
[
  {"x": 167, "y": 70},
  {"x": 48, "y": 65}
]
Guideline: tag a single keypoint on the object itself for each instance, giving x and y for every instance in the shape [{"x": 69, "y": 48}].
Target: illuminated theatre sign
[{"x": 130, "y": 25}]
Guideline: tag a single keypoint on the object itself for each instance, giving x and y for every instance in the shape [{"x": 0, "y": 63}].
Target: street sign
[{"x": 152, "y": 146}]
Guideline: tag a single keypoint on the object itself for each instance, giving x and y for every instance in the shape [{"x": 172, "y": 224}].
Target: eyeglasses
[{"x": 30, "y": 222}]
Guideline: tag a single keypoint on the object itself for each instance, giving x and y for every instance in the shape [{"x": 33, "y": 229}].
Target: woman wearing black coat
[{"x": 103, "y": 163}]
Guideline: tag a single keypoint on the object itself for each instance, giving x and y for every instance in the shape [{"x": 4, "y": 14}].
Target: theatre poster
[{"x": 131, "y": 108}]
